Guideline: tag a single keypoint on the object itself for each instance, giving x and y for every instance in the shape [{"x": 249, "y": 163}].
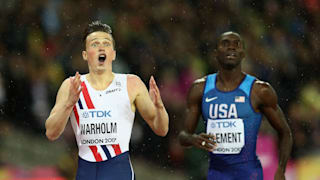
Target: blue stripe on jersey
[
  {"x": 246, "y": 85},
  {"x": 80, "y": 104},
  {"x": 105, "y": 149}
]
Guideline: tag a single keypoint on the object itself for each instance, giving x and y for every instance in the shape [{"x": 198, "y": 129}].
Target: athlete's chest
[
  {"x": 217, "y": 105},
  {"x": 114, "y": 97}
]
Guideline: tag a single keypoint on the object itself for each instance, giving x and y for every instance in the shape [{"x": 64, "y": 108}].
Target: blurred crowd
[{"x": 41, "y": 45}]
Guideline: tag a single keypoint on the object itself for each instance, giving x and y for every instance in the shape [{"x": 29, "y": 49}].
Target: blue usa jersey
[{"x": 231, "y": 118}]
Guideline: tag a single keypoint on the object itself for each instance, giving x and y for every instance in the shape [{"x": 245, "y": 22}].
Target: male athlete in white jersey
[{"x": 101, "y": 106}]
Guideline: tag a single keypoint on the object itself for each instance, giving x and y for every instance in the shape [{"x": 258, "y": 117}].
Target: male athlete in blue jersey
[{"x": 232, "y": 104}]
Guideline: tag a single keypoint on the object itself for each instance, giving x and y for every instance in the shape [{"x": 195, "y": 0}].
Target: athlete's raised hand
[
  {"x": 155, "y": 93},
  {"x": 204, "y": 141},
  {"x": 67, "y": 97},
  {"x": 75, "y": 89}
]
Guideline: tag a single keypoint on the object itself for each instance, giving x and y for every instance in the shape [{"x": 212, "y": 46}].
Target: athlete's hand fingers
[
  {"x": 78, "y": 83},
  {"x": 72, "y": 83},
  {"x": 75, "y": 87},
  {"x": 79, "y": 90},
  {"x": 205, "y": 143},
  {"x": 154, "y": 85},
  {"x": 77, "y": 75},
  {"x": 209, "y": 140},
  {"x": 75, "y": 84},
  {"x": 155, "y": 93},
  {"x": 151, "y": 90},
  {"x": 210, "y": 137},
  {"x": 77, "y": 79}
]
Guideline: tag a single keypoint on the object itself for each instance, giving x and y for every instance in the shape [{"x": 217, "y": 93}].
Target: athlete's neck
[
  {"x": 228, "y": 80},
  {"x": 230, "y": 75},
  {"x": 100, "y": 81}
]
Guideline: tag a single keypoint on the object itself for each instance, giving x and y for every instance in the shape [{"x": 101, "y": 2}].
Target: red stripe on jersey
[
  {"x": 86, "y": 96},
  {"x": 116, "y": 148},
  {"x": 96, "y": 155},
  {"x": 76, "y": 114},
  {"x": 89, "y": 103}
]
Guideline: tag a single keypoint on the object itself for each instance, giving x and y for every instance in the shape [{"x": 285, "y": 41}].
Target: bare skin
[
  {"x": 100, "y": 76},
  {"x": 229, "y": 76}
]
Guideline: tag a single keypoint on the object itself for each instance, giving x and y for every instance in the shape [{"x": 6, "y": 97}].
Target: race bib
[
  {"x": 97, "y": 128},
  {"x": 229, "y": 135}
]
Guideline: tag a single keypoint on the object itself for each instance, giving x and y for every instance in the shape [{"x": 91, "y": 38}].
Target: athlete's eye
[
  {"x": 106, "y": 44},
  {"x": 225, "y": 43},
  {"x": 94, "y": 45},
  {"x": 238, "y": 44}
]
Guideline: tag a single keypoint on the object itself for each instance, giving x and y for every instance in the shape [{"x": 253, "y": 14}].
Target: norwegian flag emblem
[{"x": 239, "y": 99}]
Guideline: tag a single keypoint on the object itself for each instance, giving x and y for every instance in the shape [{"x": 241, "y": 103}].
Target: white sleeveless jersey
[{"x": 102, "y": 120}]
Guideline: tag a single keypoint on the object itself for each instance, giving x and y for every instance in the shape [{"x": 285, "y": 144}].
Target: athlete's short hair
[
  {"x": 216, "y": 42},
  {"x": 96, "y": 26}
]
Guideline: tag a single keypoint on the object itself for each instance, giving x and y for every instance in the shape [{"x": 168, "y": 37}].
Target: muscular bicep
[
  {"x": 271, "y": 110},
  {"x": 193, "y": 110}
]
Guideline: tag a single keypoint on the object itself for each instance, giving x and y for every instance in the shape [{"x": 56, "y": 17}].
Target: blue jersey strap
[
  {"x": 247, "y": 84},
  {"x": 210, "y": 83}
]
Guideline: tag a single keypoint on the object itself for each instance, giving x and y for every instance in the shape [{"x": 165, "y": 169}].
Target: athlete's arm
[
  {"x": 270, "y": 108},
  {"x": 187, "y": 137},
  {"x": 149, "y": 105},
  {"x": 67, "y": 96}
]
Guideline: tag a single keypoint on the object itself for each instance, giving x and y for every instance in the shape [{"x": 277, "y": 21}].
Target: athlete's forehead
[
  {"x": 230, "y": 36},
  {"x": 99, "y": 35}
]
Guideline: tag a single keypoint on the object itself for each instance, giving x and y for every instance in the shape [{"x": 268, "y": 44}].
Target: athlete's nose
[
  {"x": 232, "y": 46},
  {"x": 101, "y": 49}
]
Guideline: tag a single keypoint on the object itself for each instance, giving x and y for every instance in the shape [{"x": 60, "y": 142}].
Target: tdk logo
[
  {"x": 226, "y": 124},
  {"x": 96, "y": 114}
]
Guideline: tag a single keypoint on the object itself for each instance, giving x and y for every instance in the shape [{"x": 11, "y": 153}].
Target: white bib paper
[
  {"x": 97, "y": 128},
  {"x": 229, "y": 135}
]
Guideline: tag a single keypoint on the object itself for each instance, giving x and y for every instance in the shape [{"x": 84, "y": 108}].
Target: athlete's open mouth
[
  {"x": 102, "y": 57},
  {"x": 231, "y": 55}
]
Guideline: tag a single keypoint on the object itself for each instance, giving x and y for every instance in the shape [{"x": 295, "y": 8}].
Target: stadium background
[{"x": 40, "y": 46}]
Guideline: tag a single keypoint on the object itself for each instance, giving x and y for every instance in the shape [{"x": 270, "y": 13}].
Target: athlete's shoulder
[
  {"x": 257, "y": 84},
  {"x": 261, "y": 85},
  {"x": 265, "y": 92},
  {"x": 134, "y": 83},
  {"x": 133, "y": 79},
  {"x": 196, "y": 90},
  {"x": 200, "y": 81}
]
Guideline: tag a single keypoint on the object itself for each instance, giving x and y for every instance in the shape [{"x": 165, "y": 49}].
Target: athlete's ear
[
  {"x": 85, "y": 55},
  {"x": 243, "y": 54},
  {"x": 113, "y": 55}
]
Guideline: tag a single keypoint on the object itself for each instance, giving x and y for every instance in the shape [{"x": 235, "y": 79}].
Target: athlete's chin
[
  {"x": 100, "y": 69},
  {"x": 229, "y": 66}
]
